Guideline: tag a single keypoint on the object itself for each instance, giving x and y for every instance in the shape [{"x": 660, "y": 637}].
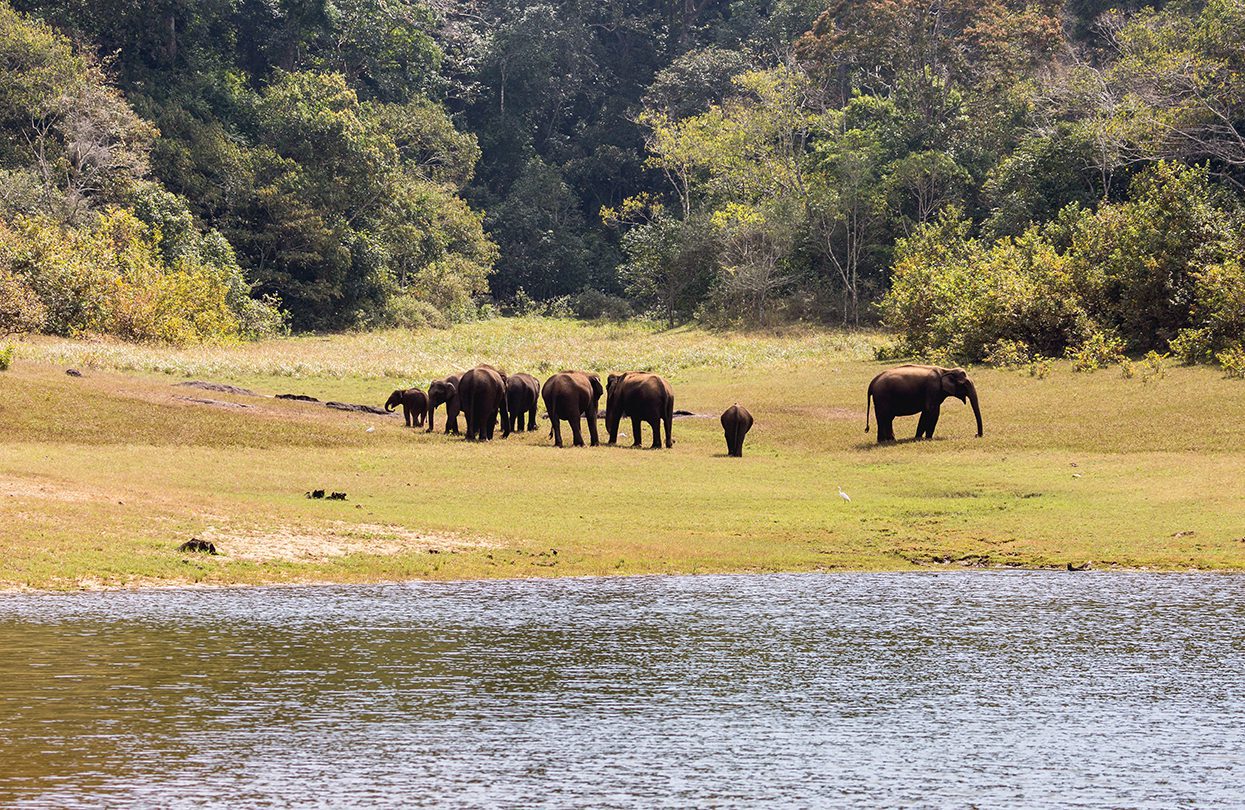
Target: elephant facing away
[
  {"x": 569, "y": 396},
  {"x": 444, "y": 391},
  {"x": 414, "y": 404},
  {"x": 522, "y": 394},
  {"x": 482, "y": 397},
  {"x": 645, "y": 398},
  {"x": 736, "y": 422},
  {"x": 911, "y": 389}
]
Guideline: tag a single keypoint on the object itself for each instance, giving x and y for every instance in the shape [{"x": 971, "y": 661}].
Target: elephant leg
[
  {"x": 577, "y": 430},
  {"x": 592, "y": 428},
  {"x": 531, "y": 418},
  {"x": 886, "y": 432},
  {"x": 931, "y": 422},
  {"x": 557, "y": 429},
  {"x": 432, "y": 416},
  {"x": 656, "y": 426},
  {"x": 635, "y": 431},
  {"x": 920, "y": 425}
]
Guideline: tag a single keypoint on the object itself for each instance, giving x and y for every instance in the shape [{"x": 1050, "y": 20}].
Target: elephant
[
  {"x": 571, "y": 395},
  {"x": 444, "y": 390},
  {"x": 414, "y": 404},
  {"x": 482, "y": 397},
  {"x": 911, "y": 389},
  {"x": 645, "y": 398},
  {"x": 736, "y": 422},
  {"x": 522, "y": 395}
]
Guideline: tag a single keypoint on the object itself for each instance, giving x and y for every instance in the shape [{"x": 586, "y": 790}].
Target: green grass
[{"x": 102, "y": 477}]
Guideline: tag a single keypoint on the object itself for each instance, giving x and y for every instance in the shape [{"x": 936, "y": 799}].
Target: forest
[{"x": 991, "y": 180}]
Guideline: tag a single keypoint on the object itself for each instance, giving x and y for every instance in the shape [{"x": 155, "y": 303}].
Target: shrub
[
  {"x": 1098, "y": 351},
  {"x": 1004, "y": 353},
  {"x": 1153, "y": 366},
  {"x": 408, "y": 312},
  {"x": 20, "y": 309},
  {"x": 590, "y": 304},
  {"x": 1040, "y": 368},
  {"x": 6, "y": 358},
  {"x": 1233, "y": 363}
]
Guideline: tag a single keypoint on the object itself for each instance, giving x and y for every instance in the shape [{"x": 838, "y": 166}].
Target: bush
[
  {"x": 20, "y": 309},
  {"x": 1099, "y": 351},
  {"x": 1233, "y": 363},
  {"x": 956, "y": 296},
  {"x": 109, "y": 277},
  {"x": 6, "y": 358},
  {"x": 590, "y": 304},
  {"x": 1153, "y": 366},
  {"x": 1004, "y": 353},
  {"x": 408, "y": 312}
]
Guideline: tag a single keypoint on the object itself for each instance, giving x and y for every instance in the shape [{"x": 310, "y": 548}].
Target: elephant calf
[
  {"x": 444, "y": 391},
  {"x": 414, "y": 404},
  {"x": 736, "y": 422},
  {"x": 911, "y": 389},
  {"x": 522, "y": 394},
  {"x": 570, "y": 396},
  {"x": 645, "y": 398}
]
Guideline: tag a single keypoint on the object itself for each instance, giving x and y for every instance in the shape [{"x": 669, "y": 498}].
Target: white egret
[{"x": 844, "y": 495}]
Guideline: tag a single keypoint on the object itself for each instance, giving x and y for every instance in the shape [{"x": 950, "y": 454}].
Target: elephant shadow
[{"x": 873, "y": 445}]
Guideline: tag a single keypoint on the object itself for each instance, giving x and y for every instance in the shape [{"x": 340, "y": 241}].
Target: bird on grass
[
  {"x": 844, "y": 495},
  {"x": 371, "y": 429}
]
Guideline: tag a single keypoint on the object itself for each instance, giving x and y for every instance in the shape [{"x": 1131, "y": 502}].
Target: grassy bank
[{"x": 102, "y": 476}]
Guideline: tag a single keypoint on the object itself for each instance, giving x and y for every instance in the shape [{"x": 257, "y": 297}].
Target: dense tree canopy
[{"x": 363, "y": 162}]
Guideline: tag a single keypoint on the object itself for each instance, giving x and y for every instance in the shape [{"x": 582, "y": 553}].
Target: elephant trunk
[{"x": 972, "y": 398}]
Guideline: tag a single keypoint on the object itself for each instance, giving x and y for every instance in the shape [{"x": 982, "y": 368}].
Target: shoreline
[{"x": 104, "y": 588}]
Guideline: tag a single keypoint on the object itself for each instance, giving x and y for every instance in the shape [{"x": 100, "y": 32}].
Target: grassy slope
[{"x": 101, "y": 477}]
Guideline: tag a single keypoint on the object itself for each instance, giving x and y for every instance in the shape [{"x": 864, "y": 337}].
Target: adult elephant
[
  {"x": 444, "y": 391},
  {"x": 482, "y": 398},
  {"x": 570, "y": 396},
  {"x": 736, "y": 422},
  {"x": 522, "y": 394},
  {"x": 414, "y": 404},
  {"x": 645, "y": 398},
  {"x": 911, "y": 389}
]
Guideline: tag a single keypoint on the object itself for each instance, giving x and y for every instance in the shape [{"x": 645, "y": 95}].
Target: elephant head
[
  {"x": 395, "y": 399},
  {"x": 955, "y": 383},
  {"x": 440, "y": 391}
]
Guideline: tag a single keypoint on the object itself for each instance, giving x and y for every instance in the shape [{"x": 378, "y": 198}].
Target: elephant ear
[
  {"x": 595, "y": 381},
  {"x": 450, "y": 389},
  {"x": 612, "y": 381}
]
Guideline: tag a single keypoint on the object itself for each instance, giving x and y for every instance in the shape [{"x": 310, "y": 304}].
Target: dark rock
[
  {"x": 195, "y": 545},
  {"x": 350, "y": 406},
  {"x": 219, "y": 403},
  {"x": 73, "y": 372},
  {"x": 297, "y": 397},
  {"x": 316, "y": 493},
  {"x": 337, "y": 496},
  {"x": 1082, "y": 567},
  {"x": 218, "y": 387}
]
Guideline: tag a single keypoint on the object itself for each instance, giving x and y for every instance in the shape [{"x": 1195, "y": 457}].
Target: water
[{"x": 998, "y": 689}]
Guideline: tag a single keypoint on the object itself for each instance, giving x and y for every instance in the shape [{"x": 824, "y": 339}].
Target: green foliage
[
  {"x": 1098, "y": 351},
  {"x": 21, "y": 310},
  {"x": 6, "y": 358},
  {"x": 589, "y": 304},
  {"x": 1233, "y": 363}
]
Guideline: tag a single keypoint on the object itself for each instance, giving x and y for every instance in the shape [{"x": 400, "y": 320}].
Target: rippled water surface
[{"x": 1002, "y": 689}]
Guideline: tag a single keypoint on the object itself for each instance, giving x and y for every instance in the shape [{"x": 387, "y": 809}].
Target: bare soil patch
[{"x": 336, "y": 539}]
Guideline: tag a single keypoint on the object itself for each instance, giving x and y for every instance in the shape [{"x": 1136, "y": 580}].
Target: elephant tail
[{"x": 868, "y": 397}]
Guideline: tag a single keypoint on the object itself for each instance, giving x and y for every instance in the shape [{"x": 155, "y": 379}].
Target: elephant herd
[{"x": 484, "y": 396}]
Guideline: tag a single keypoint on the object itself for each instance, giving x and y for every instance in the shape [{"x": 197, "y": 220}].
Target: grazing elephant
[
  {"x": 911, "y": 389},
  {"x": 736, "y": 422},
  {"x": 522, "y": 394},
  {"x": 645, "y": 398},
  {"x": 482, "y": 397},
  {"x": 446, "y": 391},
  {"x": 414, "y": 404},
  {"x": 571, "y": 395}
]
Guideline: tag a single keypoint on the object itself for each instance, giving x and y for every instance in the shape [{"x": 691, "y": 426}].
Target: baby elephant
[
  {"x": 414, "y": 405},
  {"x": 736, "y": 422}
]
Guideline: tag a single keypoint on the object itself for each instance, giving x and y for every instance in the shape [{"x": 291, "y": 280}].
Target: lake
[{"x": 992, "y": 688}]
